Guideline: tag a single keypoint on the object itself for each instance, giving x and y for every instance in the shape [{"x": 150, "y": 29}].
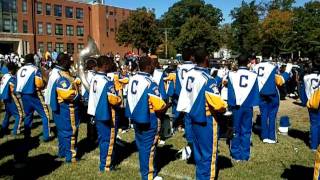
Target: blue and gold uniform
[
  {"x": 102, "y": 98},
  {"x": 11, "y": 102},
  {"x": 29, "y": 85},
  {"x": 314, "y": 104},
  {"x": 144, "y": 100},
  {"x": 312, "y": 85},
  {"x": 51, "y": 100},
  {"x": 268, "y": 80},
  {"x": 200, "y": 99},
  {"x": 67, "y": 114},
  {"x": 241, "y": 105}
]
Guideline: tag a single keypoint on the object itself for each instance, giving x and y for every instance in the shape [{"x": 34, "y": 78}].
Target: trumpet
[{"x": 90, "y": 50}]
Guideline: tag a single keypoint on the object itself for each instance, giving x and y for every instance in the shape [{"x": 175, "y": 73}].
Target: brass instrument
[{"x": 90, "y": 50}]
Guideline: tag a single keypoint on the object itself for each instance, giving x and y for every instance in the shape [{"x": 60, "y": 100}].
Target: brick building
[{"x": 64, "y": 25}]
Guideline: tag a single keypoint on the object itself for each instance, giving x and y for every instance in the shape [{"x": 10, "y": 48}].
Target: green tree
[
  {"x": 140, "y": 30},
  {"x": 183, "y": 11},
  {"x": 246, "y": 28},
  {"x": 307, "y": 28},
  {"x": 281, "y": 4},
  {"x": 277, "y": 31},
  {"x": 197, "y": 32}
]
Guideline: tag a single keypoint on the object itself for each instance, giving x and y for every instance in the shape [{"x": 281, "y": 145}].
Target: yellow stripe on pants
[
  {"x": 152, "y": 151},
  {"x": 111, "y": 141},
  {"x": 18, "y": 105},
  {"x": 45, "y": 108},
  {"x": 74, "y": 131},
  {"x": 214, "y": 149},
  {"x": 317, "y": 165}
]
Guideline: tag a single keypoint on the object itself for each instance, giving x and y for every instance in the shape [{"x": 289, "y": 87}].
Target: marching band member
[
  {"x": 241, "y": 104},
  {"x": 144, "y": 101},
  {"x": 268, "y": 80},
  {"x": 102, "y": 97},
  {"x": 312, "y": 85},
  {"x": 11, "y": 101},
  {"x": 200, "y": 98},
  {"x": 91, "y": 64},
  {"x": 29, "y": 85},
  {"x": 51, "y": 100},
  {"x": 66, "y": 110},
  {"x": 182, "y": 70}
]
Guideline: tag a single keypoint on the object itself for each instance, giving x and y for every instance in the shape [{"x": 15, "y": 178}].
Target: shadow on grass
[
  {"x": 165, "y": 154},
  {"x": 123, "y": 151},
  {"x": 18, "y": 147},
  {"x": 35, "y": 167},
  {"x": 85, "y": 146},
  {"x": 297, "y": 172},
  {"x": 298, "y": 134},
  {"x": 298, "y": 103},
  {"x": 224, "y": 162}
]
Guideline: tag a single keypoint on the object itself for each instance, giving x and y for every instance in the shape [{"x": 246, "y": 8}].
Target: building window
[
  {"x": 6, "y": 25},
  {"x": 39, "y": 7},
  {"x": 59, "y": 29},
  {"x": 80, "y": 31},
  {"x": 48, "y": 9},
  {"x": 41, "y": 46},
  {"x": 15, "y": 26},
  {"x": 58, "y": 10},
  {"x": 80, "y": 47},
  {"x": 79, "y": 13},
  {"x": 9, "y": 6},
  {"x": 24, "y": 6},
  {"x": 25, "y": 26},
  {"x": 59, "y": 47},
  {"x": 49, "y": 46},
  {"x": 49, "y": 28},
  {"x": 40, "y": 28},
  {"x": 70, "y": 48},
  {"x": 69, "y": 30},
  {"x": 111, "y": 29},
  {"x": 111, "y": 13},
  {"x": 69, "y": 12}
]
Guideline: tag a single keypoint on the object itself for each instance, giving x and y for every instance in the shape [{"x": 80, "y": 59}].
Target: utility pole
[{"x": 166, "y": 43}]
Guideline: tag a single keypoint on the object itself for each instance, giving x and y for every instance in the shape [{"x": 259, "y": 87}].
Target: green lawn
[{"x": 289, "y": 159}]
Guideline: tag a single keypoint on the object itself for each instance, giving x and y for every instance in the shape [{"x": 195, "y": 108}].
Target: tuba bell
[{"x": 90, "y": 50}]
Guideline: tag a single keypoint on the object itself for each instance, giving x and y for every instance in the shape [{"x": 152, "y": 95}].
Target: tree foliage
[
  {"x": 197, "y": 32},
  {"x": 277, "y": 30},
  {"x": 140, "y": 30},
  {"x": 182, "y": 13},
  {"x": 246, "y": 28}
]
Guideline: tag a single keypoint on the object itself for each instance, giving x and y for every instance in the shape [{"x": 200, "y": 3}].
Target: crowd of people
[{"x": 115, "y": 96}]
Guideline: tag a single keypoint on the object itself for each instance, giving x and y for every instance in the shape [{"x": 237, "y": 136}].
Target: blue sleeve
[
  {"x": 231, "y": 94},
  {"x": 162, "y": 89},
  {"x": 178, "y": 85}
]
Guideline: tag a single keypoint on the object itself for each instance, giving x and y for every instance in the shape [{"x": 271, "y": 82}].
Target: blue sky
[{"x": 162, "y": 6}]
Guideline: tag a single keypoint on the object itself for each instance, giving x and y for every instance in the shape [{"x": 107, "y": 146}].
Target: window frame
[
  {"x": 56, "y": 6},
  {"x": 55, "y": 29}
]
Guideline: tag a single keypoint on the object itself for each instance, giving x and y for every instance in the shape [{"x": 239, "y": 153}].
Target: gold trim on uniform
[
  {"x": 111, "y": 141},
  {"x": 45, "y": 108},
  {"x": 152, "y": 152},
  {"x": 214, "y": 148},
  {"x": 74, "y": 131},
  {"x": 19, "y": 108}
]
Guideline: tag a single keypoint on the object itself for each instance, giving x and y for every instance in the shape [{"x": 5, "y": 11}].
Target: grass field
[{"x": 289, "y": 159}]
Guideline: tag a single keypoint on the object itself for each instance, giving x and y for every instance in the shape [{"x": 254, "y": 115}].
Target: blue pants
[
  {"x": 242, "y": 126},
  {"x": 13, "y": 108},
  {"x": 146, "y": 136},
  {"x": 205, "y": 145},
  {"x": 58, "y": 122},
  {"x": 269, "y": 107},
  {"x": 107, "y": 137},
  {"x": 314, "y": 128},
  {"x": 188, "y": 128},
  {"x": 67, "y": 125},
  {"x": 31, "y": 103}
]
